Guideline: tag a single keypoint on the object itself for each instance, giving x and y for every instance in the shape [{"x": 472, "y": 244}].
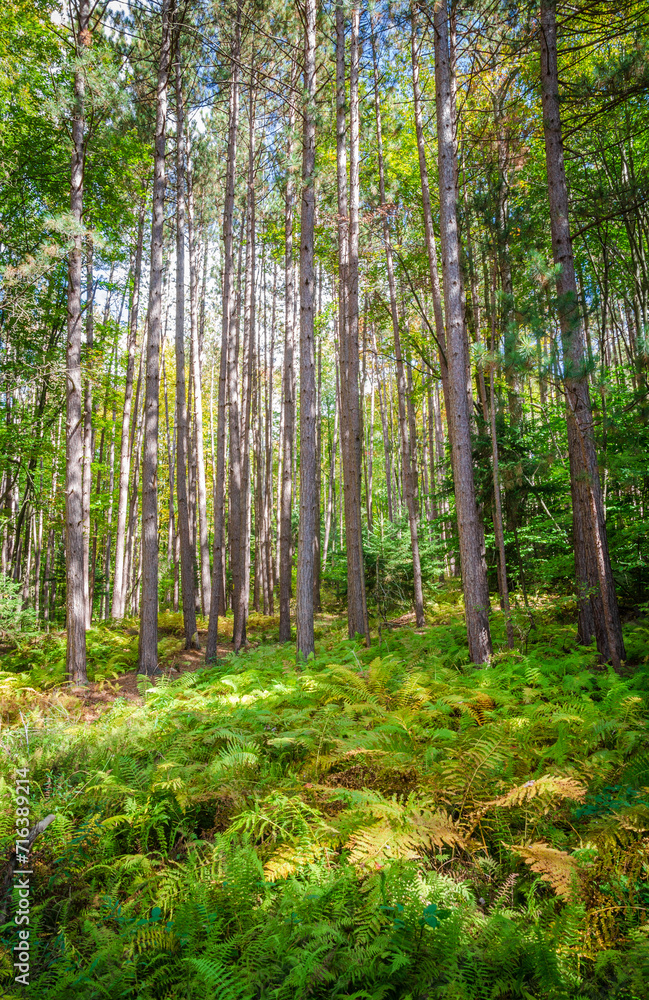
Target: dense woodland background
[{"x": 318, "y": 321}]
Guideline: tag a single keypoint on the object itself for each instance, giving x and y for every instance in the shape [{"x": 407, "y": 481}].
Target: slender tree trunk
[
  {"x": 308, "y": 456},
  {"x": 75, "y": 607},
  {"x": 109, "y": 518},
  {"x": 242, "y": 539},
  {"x": 88, "y": 430},
  {"x": 497, "y": 509},
  {"x": 171, "y": 460},
  {"x": 431, "y": 246},
  {"x": 217, "y": 599},
  {"x": 598, "y": 608},
  {"x": 201, "y": 490},
  {"x": 135, "y": 449},
  {"x": 270, "y": 567},
  {"x": 409, "y": 487},
  {"x": 148, "y": 658},
  {"x": 387, "y": 456},
  {"x": 471, "y": 535},
  {"x": 318, "y": 486},
  {"x": 357, "y": 621},
  {"x": 182, "y": 430},
  {"x": 125, "y": 449},
  {"x": 288, "y": 394}
]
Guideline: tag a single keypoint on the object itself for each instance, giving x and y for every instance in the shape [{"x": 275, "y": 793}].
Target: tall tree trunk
[
  {"x": 88, "y": 429},
  {"x": 317, "y": 572},
  {"x": 431, "y": 246},
  {"x": 217, "y": 599},
  {"x": 348, "y": 234},
  {"x": 497, "y": 509},
  {"x": 171, "y": 460},
  {"x": 598, "y": 608},
  {"x": 201, "y": 491},
  {"x": 136, "y": 454},
  {"x": 270, "y": 567},
  {"x": 125, "y": 446},
  {"x": 109, "y": 518},
  {"x": 470, "y": 530},
  {"x": 242, "y": 529},
  {"x": 308, "y": 456},
  {"x": 75, "y": 605},
  {"x": 182, "y": 431},
  {"x": 288, "y": 393},
  {"x": 383, "y": 407},
  {"x": 409, "y": 487},
  {"x": 148, "y": 658}
]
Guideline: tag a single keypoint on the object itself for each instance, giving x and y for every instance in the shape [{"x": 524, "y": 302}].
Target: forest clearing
[{"x": 324, "y": 611}]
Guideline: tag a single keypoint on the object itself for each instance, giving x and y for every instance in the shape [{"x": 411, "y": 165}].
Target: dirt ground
[{"x": 96, "y": 698}]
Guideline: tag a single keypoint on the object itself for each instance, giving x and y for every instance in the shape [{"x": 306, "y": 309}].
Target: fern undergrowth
[{"x": 377, "y": 823}]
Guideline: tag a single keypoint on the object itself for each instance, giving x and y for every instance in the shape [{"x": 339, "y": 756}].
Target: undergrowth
[{"x": 379, "y": 823}]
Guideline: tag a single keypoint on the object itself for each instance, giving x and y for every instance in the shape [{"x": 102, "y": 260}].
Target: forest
[{"x": 324, "y": 499}]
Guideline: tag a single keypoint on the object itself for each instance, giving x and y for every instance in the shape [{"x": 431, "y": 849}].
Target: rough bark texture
[
  {"x": 125, "y": 450},
  {"x": 308, "y": 453},
  {"x": 182, "y": 430},
  {"x": 75, "y": 608},
  {"x": 288, "y": 395},
  {"x": 598, "y": 608},
  {"x": 201, "y": 490},
  {"x": 148, "y": 659},
  {"x": 88, "y": 429},
  {"x": 348, "y": 233},
  {"x": 471, "y": 535},
  {"x": 217, "y": 600},
  {"x": 243, "y": 598}
]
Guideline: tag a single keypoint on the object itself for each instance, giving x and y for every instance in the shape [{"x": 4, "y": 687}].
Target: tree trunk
[
  {"x": 598, "y": 608},
  {"x": 471, "y": 535},
  {"x": 125, "y": 448},
  {"x": 217, "y": 599},
  {"x": 201, "y": 491},
  {"x": 242, "y": 529},
  {"x": 288, "y": 393},
  {"x": 148, "y": 657},
  {"x": 431, "y": 246},
  {"x": 348, "y": 235},
  {"x": 409, "y": 487},
  {"x": 308, "y": 456},
  {"x": 270, "y": 566},
  {"x": 88, "y": 430},
  {"x": 182, "y": 430},
  {"x": 497, "y": 510},
  {"x": 75, "y": 605}
]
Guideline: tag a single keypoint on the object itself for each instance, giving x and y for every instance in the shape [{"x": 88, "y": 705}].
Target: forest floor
[{"x": 375, "y": 823}]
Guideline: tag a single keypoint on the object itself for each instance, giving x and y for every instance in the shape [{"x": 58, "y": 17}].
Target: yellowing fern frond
[{"x": 556, "y": 867}]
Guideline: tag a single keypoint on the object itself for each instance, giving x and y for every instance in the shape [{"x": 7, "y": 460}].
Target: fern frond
[{"x": 556, "y": 867}]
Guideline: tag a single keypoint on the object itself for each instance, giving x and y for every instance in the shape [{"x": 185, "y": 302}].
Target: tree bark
[
  {"x": 598, "y": 608},
  {"x": 88, "y": 429},
  {"x": 201, "y": 491},
  {"x": 75, "y": 605},
  {"x": 242, "y": 538},
  {"x": 308, "y": 456},
  {"x": 431, "y": 246},
  {"x": 217, "y": 599},
  {"x": 348, "y": 235},
  {"x": 182, "y": 430},
  {"x": 470, "y": 530},
  {"x": 409, "y": 487},
  {"x": 125, "y": 448},
  {"x": 148, "y": 656},
  {"x": 288, "y": 390}
]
